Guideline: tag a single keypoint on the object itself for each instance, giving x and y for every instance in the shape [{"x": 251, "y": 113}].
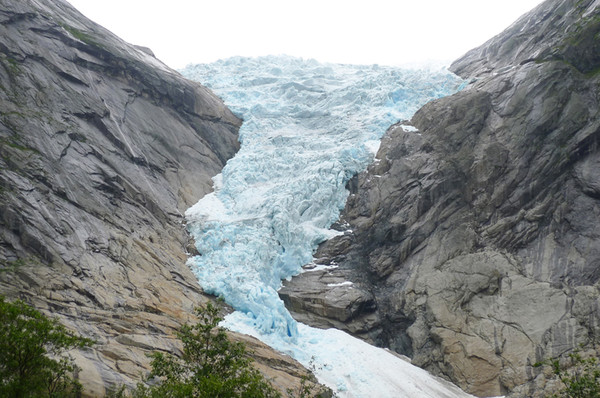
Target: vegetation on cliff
[
  {"x": 578, "y": 375},
  {"x": 211, "y": 365},
  {"x": 34, "y": 361},
  {"x": 33, "y": 354}
]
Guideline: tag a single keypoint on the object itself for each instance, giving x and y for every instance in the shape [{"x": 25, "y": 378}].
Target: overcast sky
[{"x": 386, "y": 32}]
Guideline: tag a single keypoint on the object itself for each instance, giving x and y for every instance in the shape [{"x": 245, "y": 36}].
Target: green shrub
[
  {"x": 580, "y": 379},
  {"x": 211, "y": 366},
  {"x": 33, "y": 362}
]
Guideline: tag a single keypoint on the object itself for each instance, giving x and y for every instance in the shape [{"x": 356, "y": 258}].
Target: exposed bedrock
[
  {"x": 473, "y": 244},
  {"x": 102, "y": 148}
]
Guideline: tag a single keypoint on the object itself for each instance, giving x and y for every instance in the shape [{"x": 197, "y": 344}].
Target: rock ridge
[
  {"x": 102, "y": 148},
  {"x": 472, "y": 241}
]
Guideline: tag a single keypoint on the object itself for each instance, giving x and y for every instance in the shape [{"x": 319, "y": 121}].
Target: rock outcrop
[
  {"x": 473, "y": 243},
  {"x": 102, "y": 148}
]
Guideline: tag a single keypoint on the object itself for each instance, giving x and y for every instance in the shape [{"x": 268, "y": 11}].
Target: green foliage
[
  {"x": 81, "y": 36},
  {"x": 32, "y": 354},
  {"x": 581, "y": 379},
  {"x": 13, "y": 143},
  {"x": 211, "y": 366},
  {"x": 10, "y": 64},
  {"x": 7, "y": 266}
]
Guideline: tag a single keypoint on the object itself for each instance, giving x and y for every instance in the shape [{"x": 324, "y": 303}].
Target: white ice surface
[
  {"x": 308, "y": 128},
  {"x": 353, "y": 368},
  {"x": 346, "y": 283},
  {"x": 409, "y": 128}
]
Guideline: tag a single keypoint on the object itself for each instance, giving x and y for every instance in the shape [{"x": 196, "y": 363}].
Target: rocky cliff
[
  {"x": 102, "y": 148},
  {"x": 473, "y": 241}
]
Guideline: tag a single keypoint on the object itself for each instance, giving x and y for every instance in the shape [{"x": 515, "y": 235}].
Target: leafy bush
[
  {"x": 33, "y": 362},
  {"x": 211, "y": 366},
  {"x": 581, "y": 380}
]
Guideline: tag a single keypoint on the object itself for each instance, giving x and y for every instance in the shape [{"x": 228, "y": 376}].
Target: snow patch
[
  {"x": 373, "y": 146},
  {"x": 346, "y": 283},
  {"x": 409, "y": 128},
  {"x": 318, "y": 267}
]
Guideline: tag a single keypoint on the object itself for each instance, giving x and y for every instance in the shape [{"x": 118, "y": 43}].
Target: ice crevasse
[{"x": 308, "y": 128}]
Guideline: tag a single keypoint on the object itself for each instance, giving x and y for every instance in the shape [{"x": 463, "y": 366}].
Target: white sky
[{"x": 387, "y": 32}]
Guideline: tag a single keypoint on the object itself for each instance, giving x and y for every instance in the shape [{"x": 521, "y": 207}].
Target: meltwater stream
[{"x": 308, "y": 128}]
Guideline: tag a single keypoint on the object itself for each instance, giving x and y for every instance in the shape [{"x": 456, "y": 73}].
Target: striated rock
[
  {"x": 477, "y": 235},
  {"x": 102, "y": 148},
  {"x": 326, "y": 299},
  {"x": 560, "y": 30},
  {"x": 285, "y": 373}
]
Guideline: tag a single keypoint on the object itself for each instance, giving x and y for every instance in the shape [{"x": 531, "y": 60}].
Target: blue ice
[{"x": 308, "y": 128}]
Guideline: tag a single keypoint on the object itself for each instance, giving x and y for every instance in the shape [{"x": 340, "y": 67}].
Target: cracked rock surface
[
  {"x": 476, "y": 238},
  {"x": 102, "y": 148}
]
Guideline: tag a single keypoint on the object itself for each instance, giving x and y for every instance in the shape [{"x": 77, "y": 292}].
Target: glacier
[{"x": 308, "y": 128}]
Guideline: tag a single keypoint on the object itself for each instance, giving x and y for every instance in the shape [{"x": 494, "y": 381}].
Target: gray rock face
[
  {"x": 102, "y": 147},
  {"x": 476, "y": 238}
]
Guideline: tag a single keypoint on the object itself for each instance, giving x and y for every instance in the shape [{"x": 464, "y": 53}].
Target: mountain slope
[
  {"x": 102, "y": 148},
  {"x": 473, "y": 243}
]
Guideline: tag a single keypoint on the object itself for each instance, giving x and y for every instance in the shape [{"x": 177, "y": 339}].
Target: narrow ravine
[{"x": 308, "y": 128}]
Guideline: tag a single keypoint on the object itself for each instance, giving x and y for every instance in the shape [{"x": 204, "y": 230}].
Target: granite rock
[
  {"x": 476, "y": 236},
  {"x": 102, "y": 148}
]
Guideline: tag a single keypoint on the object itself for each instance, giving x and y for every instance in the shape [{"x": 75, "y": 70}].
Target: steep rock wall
[
  {"x": 102, "y": 148},
  {"x": 473, "y": 243}
]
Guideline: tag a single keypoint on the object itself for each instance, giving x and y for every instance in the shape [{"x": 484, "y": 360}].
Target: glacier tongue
[
  {"x": 353, "y": 368},
  {"x": 308, "y": 128}
]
